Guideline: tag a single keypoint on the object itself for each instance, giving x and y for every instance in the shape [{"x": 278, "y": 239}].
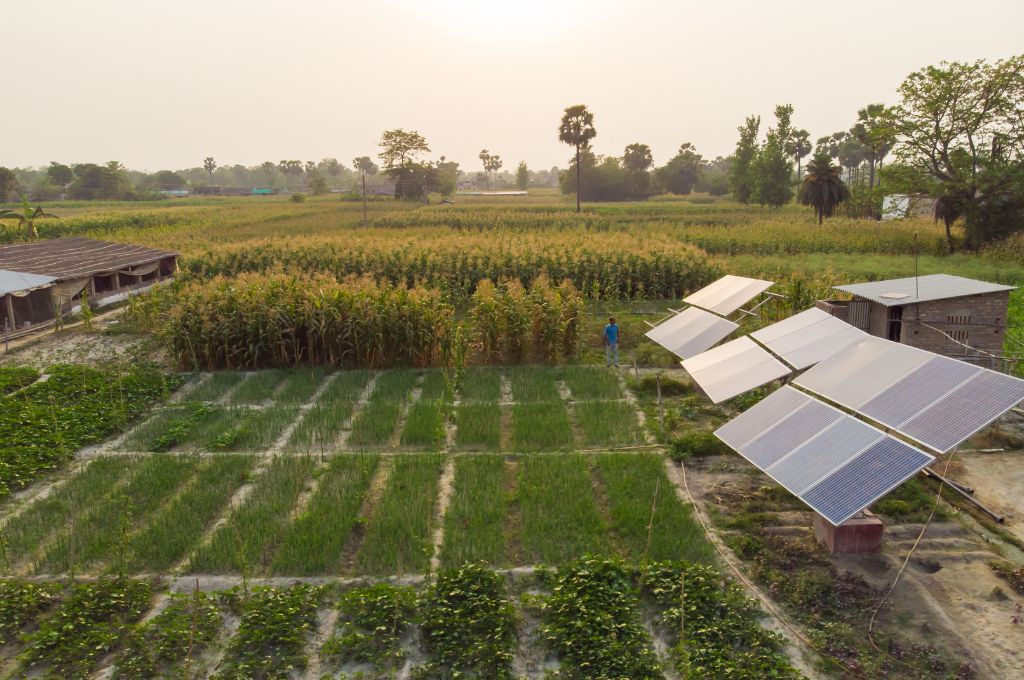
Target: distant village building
[
  {"x": 944, "y": 314},
  {"x": 39, "y": 279},
  {"x": 902, "y": 206}
]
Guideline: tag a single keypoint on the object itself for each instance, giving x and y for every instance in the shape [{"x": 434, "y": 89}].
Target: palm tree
[
  {"x": 823, "y": 186},
  {"x": 799, "y": 145},
  {"x": 209, "y": 165},
  {"x": 367, "y": 167},
  {"x": 26, "y": 218},
  {"x": 577, "y": 129}
]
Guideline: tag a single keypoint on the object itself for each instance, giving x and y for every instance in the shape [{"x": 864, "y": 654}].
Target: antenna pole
[{"x": 917, "y": 292}]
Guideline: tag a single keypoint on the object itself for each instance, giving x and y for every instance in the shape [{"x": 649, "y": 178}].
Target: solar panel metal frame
[
  {"x": 807, "y": 338},
  {"x": 912, "y": 371},
  {"x": 801, "y": 405},
  {"x": 727, "y": 294},
  {"x": 714, "y": 330},
  {"x": 731, "y": 369}
]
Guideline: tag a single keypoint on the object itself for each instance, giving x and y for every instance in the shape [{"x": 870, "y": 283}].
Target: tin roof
[
  {"x": 13, "y": 282},
  {"x": 912, "y": 290},
  {"x": 75, "y": 257}
]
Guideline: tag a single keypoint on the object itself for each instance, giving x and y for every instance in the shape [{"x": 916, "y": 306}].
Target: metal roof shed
[{"x": 949, "y": 315}]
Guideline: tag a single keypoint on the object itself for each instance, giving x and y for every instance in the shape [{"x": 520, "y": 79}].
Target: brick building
[{"x": 945, "y": 314}]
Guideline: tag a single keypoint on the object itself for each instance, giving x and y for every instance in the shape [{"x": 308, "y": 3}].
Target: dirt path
[{"x": 997, "y": 480}]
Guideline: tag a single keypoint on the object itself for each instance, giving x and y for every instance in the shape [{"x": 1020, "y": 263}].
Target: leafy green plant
[
  {"x": 468, "y": 625},
  {"x": 371, "y": 623},
  {"x": 89, "y": 623},
  {"x": 271, "y": 638},
  {"x": 21, "y": 602},
  {"x": 697, "y": 444}
]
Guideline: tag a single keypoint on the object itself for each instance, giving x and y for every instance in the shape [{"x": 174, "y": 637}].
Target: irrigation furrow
[
  {"x": 326, "y": 621},
  {"x": 212, "y": 657},
  {"x": 444, "y": 497},
  {"x": 505, "y": 406},
  {"x": 378, "y": 484},
  {"x": 364, "y": 398},
  {"x": 305, "y": 408},
  {"x": 570, "y": 406},
  {"x": 236, "y": 501},
  {"x": 603, "y": 503},
  {"x": 635, "y": 403},
  {"x": 225, "y": 398},
  {"x": 395, "y": 442}
]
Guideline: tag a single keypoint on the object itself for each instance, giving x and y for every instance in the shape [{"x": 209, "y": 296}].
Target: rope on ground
[
  {"x": 757, "y": 593},
  {"x": 906, "y": 561}
]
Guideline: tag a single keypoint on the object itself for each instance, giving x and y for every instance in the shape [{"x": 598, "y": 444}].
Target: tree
[
  {"x": 773, "y": 171},
  {"x": 268, "y": 169},
  {"x": 318, "y": 185},
  {"x": 309, "y": 167},
  {"x": 851, "y": 154},
  {"x": 109, "y": 181},
  {"x": 60, "y": 174},
  {"x": 446, "y": 177},
  {"x": 399, "y": 151},
  {"x": 522, "y": 176},
  {"x": 576, "y": 130},
  {"x": 680, "y": 174},
  {"x": 330, "y": 166},
  {"x": 742, "y": 180},
  {"x": 290, "y": 168},
  {"x": 209, "y": 165},
  {"x": 822, "y": 187},
  {"x": 26, "y": 218},
  {"x": 959, "y": 134},
  {"x": 168, "y": 179},
  {"x": 365, "y": 167},
  {"x": 485, "y": 160},
  {"x": 637, "y": 158},
  {"x": 873, "y": 136},
  {"x": 492, "y": 166},
  {"x": 8, "y": 183},
  {"x": 798, "y": 147}
]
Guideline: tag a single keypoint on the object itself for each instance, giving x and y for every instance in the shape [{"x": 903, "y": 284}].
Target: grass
[
  {"x": 589, "y": 382},
  {"x": 608, "y": 423},
  {"x": 322, "y": 424},
  {"x": 216, "y": 386},
  {"x": 252, "y": 430},
  {"x": 26, "y": 532},
  {"x": 100, "y": 532},
  {"x": 433, "y": 386},
  {"x": 313, "y": 543},
  {"x": 424, "y": 425},
  {"x": 561, "y": 520},
  {"x": 534, "y": 383},
  {"x": 257, "y": 388},
  {"x": 636, "y": 484},
  {"x": 478, "y": 426},
  {"x": 247, "y": 540},
  {"x": 480, "y": 384},
  {"x": 173, "y": 533},
  {"x": 300, "y": 386},
  {"x": 375, "y": 424},
  {"x": 399, "y": 534},
  {"x": 476, "y": 514},
  {"x": 541, "y": 427},
  {"x": 394, "y": 386}
]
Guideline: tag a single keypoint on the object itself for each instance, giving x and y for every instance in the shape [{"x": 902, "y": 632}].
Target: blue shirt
[{"x": 611, "y": 333}]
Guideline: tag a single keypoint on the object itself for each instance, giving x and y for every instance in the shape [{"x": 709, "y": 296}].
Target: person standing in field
[{"x": 611, "y": 343}]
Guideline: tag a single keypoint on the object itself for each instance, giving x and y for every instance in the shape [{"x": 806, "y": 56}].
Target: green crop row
[{"x": 42, "y": 425}]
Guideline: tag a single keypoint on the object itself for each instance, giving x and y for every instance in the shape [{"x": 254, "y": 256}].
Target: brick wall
[{"x": 976, "y": 320}]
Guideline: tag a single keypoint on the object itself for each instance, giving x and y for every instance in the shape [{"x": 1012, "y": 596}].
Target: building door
[{"x": 895, "y": 323}]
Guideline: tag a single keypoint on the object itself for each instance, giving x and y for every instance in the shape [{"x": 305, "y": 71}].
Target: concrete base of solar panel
[{"x": 856, "y": 536}]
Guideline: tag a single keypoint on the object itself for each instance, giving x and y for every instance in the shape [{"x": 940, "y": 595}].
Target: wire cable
[{"x": 753, "y": 589}]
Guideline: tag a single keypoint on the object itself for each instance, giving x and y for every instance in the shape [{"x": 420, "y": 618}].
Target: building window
[
  {"x": 958, "y": 319},
  {"x": 961, "y": 335}
]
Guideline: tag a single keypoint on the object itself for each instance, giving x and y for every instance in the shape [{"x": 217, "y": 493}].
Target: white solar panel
[
  {"x": 690, "y": 332},
  {"x": 831, "y": 461},
  {"x": 727, "y": 294},
  {"x": 934, "y": 400},
  {"x": 808, "y": 337},
  {"x": 733, "y": 368},
  {"x": 865, "y": 369}
]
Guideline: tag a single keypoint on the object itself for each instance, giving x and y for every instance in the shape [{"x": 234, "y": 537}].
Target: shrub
[
  {"x": 697, "y": 444},
  {"x": 298, "y": 197}
]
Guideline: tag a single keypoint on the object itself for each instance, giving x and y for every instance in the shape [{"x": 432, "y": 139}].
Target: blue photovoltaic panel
[
  {"x": 824, "y": 454},
  {"x": 758, "y": 418},
  {"x": 917, "y": 391},
  {"x": 865, "y": 479},
  {"x": 965, "y": 410},
  {"x": 832, "y": 461},
  {"x": 790, "y": 433}
]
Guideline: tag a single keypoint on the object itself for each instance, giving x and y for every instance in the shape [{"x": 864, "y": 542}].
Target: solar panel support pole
[{"x": 755, "y": 308}]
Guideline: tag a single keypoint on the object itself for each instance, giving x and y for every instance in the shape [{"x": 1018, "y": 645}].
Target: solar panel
[
  {"x": 934, "y": 400},
  {"x": 831, "y": 461},
  {"x": 690, "y": 332},
  {"x": 727, "y": 294},
  {"x": 862, "y": 371},
  {"x": 808, "y": 337},
  {"x": 733, "y": 368}
]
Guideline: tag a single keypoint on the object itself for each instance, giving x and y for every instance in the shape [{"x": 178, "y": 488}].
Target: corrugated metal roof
[
  {"x": 912, "y": 290},
  {"x": 12, "y": 282},
  {"x": 75, "y": 257}
]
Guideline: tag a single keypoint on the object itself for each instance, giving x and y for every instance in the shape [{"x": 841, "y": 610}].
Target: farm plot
[{"x": 596, "y": 617}]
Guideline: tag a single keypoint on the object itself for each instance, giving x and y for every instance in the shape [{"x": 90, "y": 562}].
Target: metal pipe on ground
[{"x": 997, "y": 517}]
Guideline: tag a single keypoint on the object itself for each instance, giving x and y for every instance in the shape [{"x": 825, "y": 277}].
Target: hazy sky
[{"x": 163, "y": 84}]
